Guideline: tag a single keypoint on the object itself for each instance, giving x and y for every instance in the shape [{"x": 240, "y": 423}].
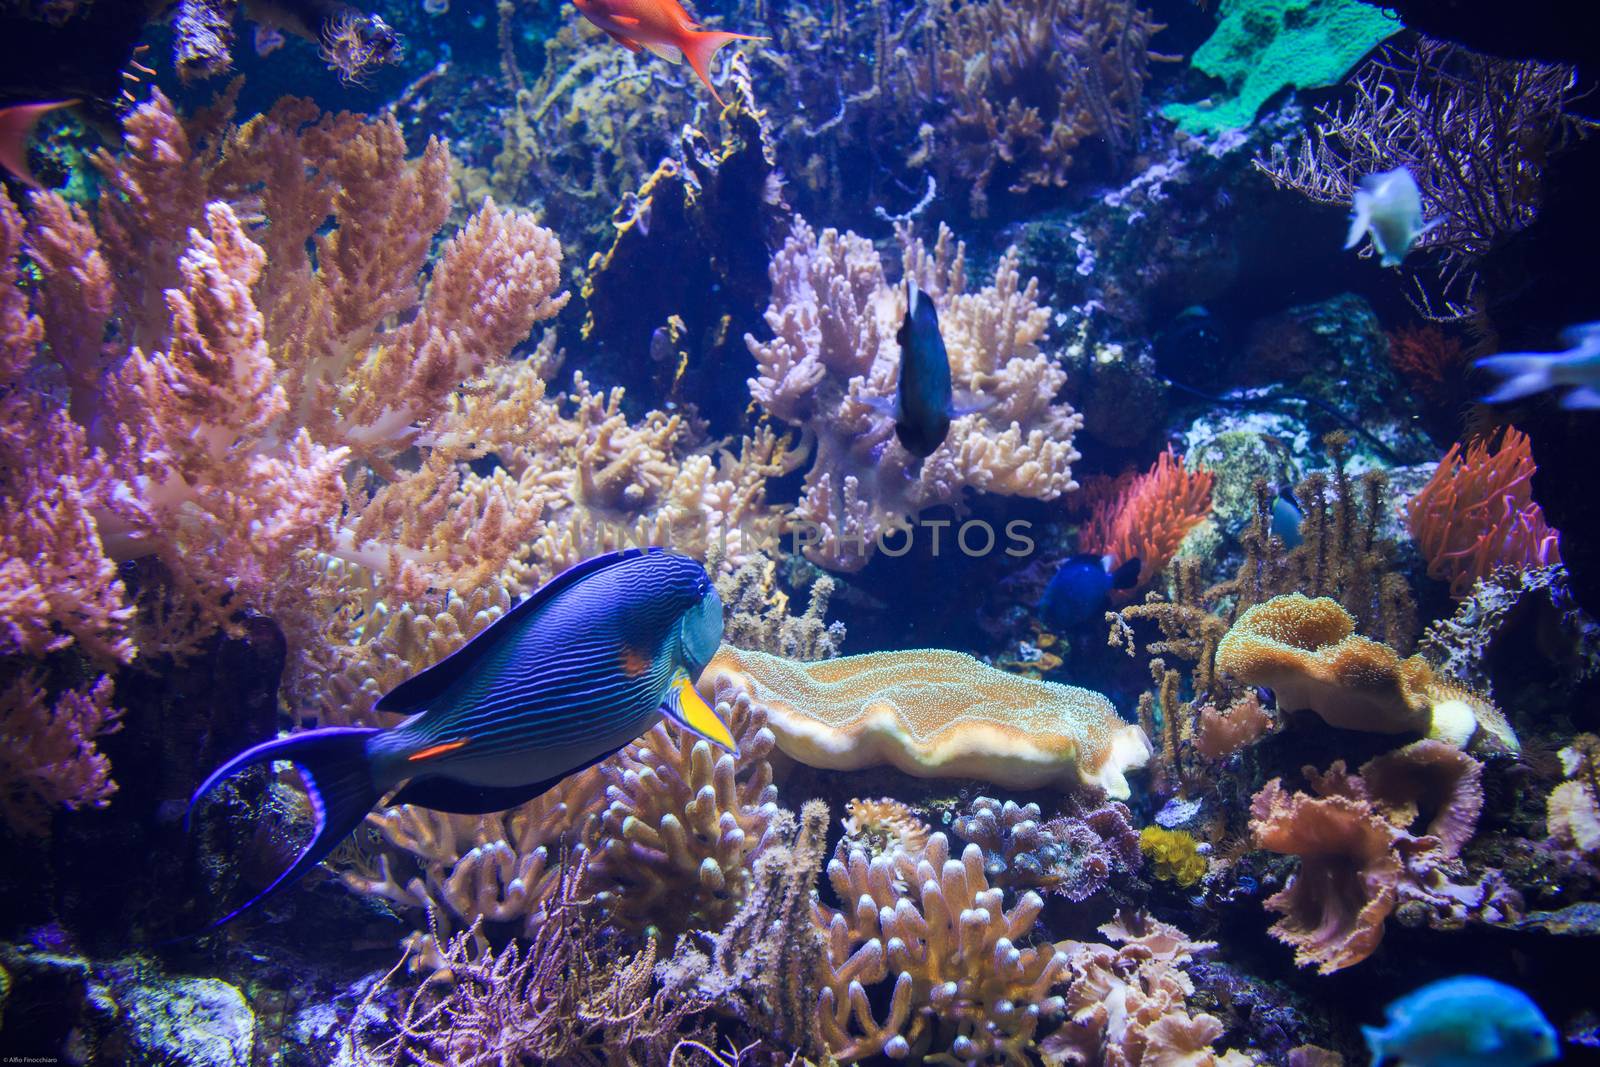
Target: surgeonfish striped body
[{"x": 563, "y": 680}]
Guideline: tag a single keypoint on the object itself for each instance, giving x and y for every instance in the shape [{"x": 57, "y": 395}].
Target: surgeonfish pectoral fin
[
  {"x": 685, "y": 706},
  {"x": 338, "y": 778},
  {"x": 965, "y": 403},
  {"x": 883, "y": 405}
]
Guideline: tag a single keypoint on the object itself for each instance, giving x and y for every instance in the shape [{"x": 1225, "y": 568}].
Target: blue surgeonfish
[
  {"x": 925, "y": 403},
  {"x": 1463, "y": 1022},
  {"x": 1526, "y": 373},
  {"x": 1389, "y": 207},
  {"x": 560, "y": 682},
  {"x": 1081, "y": 589}
]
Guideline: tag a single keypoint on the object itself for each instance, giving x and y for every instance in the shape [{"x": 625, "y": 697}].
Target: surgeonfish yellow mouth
[{"x": 688, "y": 707}]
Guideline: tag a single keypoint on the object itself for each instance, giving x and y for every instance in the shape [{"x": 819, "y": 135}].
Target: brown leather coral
[
  {"x": 1306, "y": 650},
  {"x": 1334, "y": 908}
]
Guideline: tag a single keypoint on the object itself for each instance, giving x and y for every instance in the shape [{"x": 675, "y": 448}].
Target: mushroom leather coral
[
  {"x": 1333, "y": 909},
  {"x": 1307, "y": 652},
  {"x": 938, "y": 714}
]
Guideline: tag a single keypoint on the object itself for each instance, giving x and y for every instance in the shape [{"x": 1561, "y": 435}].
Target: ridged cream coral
[
  {"x": 964, "y": 982},
  {"x": 938, "y": 714}
]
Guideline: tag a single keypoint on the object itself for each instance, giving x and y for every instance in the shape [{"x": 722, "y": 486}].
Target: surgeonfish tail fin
[
  {"x": 685, "y": 706},
  {"x": 16, "y": 129},
  {"x": 338, "y": 778},
  {"x": 700, "y": 45},
  {"x": 1520, "y": 376},
  {"x": 1360, "y": 219}
]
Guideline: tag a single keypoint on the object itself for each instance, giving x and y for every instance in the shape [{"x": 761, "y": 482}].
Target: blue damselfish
[
  {"x": 1465, "y": 1021},
  {"x": 563, "y": 680}
]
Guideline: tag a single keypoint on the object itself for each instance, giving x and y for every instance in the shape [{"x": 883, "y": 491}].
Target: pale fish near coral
[
  {"x": 1388, "y": 206},
  {"x": 939, "y": 714},
  {"x": 1524, "y": 374}
]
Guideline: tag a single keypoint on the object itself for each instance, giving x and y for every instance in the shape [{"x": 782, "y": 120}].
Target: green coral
[
  {"x": 1263, "y": 46},
  {"x": 1174, "y": 855}
]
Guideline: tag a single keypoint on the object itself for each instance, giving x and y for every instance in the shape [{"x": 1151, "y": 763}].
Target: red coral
[
  {"x": 1149, "y": 518},
  {"x": 1427, "y": 357},
  {"x": 1477, "y": 513}
]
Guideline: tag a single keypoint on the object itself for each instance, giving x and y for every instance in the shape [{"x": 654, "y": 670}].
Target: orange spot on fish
[
  {"x": 438, "y": 750},
  {"x": 634, "y": 662},
  {"x": 662, "y": 26}
]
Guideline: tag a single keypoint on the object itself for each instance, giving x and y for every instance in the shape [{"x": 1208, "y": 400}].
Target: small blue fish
[
  {"x": 1526, "y": 373},
  {"x": 1464, "y": 1022},
  {"x": 560, "y": 682},
  {"x": 1389, "y": 207},
  {"x": 1081, "y": 589},
  {"x": 924, "y": 403},
  {"x": 1287, "y": 515}
]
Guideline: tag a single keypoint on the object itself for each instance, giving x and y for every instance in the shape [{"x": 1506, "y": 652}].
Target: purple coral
[{"x": 1073, "y": 855}]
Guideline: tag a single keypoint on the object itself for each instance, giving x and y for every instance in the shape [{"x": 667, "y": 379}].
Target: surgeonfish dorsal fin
[{"x": 417, "y": 691}]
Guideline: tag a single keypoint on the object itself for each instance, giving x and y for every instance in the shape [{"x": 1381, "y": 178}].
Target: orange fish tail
[{"x": 698, "y": 46}]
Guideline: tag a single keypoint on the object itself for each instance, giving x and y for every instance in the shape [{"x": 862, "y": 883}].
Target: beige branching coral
[
  {"x": 684, "y": 824},
  {"x": 492, "y": 876},
  {"x": 48, "y": 758},
  {"x": 963, "y": 983},
  {"x": 757, "y": 614},
  {"x": 833, "y": 358}
]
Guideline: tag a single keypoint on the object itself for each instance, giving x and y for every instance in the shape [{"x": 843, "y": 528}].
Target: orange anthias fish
[
  {"x": 16, "y": 129},
  {"x": 662, "y": 26}
]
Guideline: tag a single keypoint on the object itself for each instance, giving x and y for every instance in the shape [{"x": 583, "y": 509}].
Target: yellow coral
[
  {"x": 1173, "y": 854},
  {"x": 938, "y": 714}
]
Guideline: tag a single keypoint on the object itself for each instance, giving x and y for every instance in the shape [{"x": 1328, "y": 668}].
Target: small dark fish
[
  {"x": 563, "y": 680},
  {"x": 926, "y": 402},
  {"x": 1287, "y": 516},
  {"x": 1081, "y": 589}
]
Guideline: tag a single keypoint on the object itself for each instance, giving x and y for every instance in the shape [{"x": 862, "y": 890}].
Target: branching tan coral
[
  {"x": 964, "y": 986},
  {"x": 757, "y": 614},
  {"x": 833, "y": 357},
  {"x": 492, "y": 876},
  {"x": 685, "y": 824},
  {"x": 48, "y": 758}
]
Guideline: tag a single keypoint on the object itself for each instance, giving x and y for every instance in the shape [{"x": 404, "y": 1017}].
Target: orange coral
[
  {"x": 1477, "y": 513},
  {"x": 1150, "y": 517}
]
